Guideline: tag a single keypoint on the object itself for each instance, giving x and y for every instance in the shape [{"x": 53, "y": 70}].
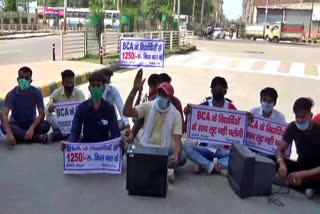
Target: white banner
[
  {"x": 265, "y": 136},
  {"x": 216, "y": 125},
  {"x": 88, "y": 158},
  {"x": 65, "y": 113},
  {"x": 141, "y": 52}
]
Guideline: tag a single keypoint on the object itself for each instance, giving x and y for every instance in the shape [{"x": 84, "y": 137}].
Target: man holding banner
[
  {"x": 95, "y": 116},
  {"x": 267, "y": 129},
  {"x": 99, "y": 150},
  {"x": 163, "y": 124},
  {"x": 61, "y": 106},
  {"x": 268, "y": 100},
  {"x": 219, "y": 125},
  {"x": 304, "y": 173}
]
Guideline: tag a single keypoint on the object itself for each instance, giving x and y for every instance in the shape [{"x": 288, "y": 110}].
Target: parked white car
[{"x": 219, "y": 33}]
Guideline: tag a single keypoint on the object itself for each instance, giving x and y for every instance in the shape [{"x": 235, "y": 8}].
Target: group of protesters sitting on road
[{"x": 158, "y": 120}]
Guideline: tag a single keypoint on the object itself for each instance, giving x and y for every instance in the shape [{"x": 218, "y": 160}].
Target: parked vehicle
[
  {"x": 254, "y": 32},
  {"x": 284, "y": 32},
  {"x": 219, "y": 33}
]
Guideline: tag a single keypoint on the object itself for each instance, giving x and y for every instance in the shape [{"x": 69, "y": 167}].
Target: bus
[{"x": 78, "y": 17}]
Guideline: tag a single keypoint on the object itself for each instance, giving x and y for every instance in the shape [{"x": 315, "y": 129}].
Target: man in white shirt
[{"x": 268, "y": 100}]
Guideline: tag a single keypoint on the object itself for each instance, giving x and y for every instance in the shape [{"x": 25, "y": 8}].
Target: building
[{"x": 285, "y": 11}]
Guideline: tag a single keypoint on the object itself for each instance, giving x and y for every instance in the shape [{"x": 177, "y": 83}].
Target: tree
[{"x": 10, "y": 5}]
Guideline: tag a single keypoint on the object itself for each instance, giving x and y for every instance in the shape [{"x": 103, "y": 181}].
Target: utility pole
[
  {"x": 310, "y": 25},
  {"x": 202, "y": 10},
  {"x": 265, "y": 18},
  {"x": 179, "y": 14},
  {"x": 65, "y": 15},
  {"x": 194, "y": 3},
  {"x": 174, "y": 7}
]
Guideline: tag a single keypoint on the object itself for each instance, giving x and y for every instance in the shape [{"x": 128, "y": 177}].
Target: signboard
[
  {"x": 88, "y": 158},
  {"x": 216, "y": 125},
  {"x": 141, "y": 52},
  {"x": 65, "y": 113},
  {"x": 53, "y": 12},
  {"x": 316, "y": 14},
  {"x": 266, "y": 135}
]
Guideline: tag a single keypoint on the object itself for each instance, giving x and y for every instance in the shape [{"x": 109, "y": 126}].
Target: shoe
[
  {"x": 55, "y": 137},
  {"x": 224, "y": 172},
  {"x": 43, "y": 138},
  {"x": 198, "y": 169},
  {"x": 171, "y": 176},
  {"x": 310, "y": 193}
]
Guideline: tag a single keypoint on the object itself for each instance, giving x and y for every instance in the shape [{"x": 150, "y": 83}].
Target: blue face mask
[
  {"x": 162, "y": 103},
  {"x": 267, "y": 107},
  {"x": 303, "y": 126}
]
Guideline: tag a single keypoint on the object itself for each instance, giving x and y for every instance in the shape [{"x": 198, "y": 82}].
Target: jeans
[
  {"x": 182, "y": 159},
  {"x": 204, "y": 157},
  {"x": 19, "y": 129}
]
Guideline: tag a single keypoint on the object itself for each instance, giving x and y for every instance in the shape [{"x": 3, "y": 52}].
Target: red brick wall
[{"x": 274, "y": 2}]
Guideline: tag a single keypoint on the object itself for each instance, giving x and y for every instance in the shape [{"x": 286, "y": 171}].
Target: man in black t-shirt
[{"x": 305, "y": 172}]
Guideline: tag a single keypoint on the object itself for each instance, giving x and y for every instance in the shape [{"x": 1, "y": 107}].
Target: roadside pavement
[{"x": 46, "y": 75}]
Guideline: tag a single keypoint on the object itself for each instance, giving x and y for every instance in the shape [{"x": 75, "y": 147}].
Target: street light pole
[
  {"x": 65, "y": 15},
  {"x": 202, "y": 10},
  {"x": 265, "y": 18},
  {"x": 310, "y": 25},
  {"x": 194, "y": 3},
  {"x": 179, "y": 14}
]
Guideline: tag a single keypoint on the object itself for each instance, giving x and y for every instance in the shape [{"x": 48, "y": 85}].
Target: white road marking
[
  {"x": 297, "y": 69},
  {"x": 245, "y": 64},
  {"x": 199, "y": 60},
  {"x": 271, "y": 67}
]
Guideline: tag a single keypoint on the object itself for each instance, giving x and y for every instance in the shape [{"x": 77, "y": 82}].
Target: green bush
[
  {"x": 24, "y": 20},
  {"x": 5, "y": 21},
  {"x": 16, "y": 20}
]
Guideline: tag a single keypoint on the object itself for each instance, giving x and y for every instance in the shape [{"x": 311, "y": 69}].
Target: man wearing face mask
[
  {"x": 95, "y": 116},
  {"x": 162, "y": 125},
  {"x": 268, "y": 100},
  {"x": 23, "y": 101},
  {"x": 211, "y": 158},
  {"x": 304, "y": 173},
  {"x": 67, "y": 93}
]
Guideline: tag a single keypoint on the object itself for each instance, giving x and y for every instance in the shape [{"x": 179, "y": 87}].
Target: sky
[{"x": 232, "y": 8}]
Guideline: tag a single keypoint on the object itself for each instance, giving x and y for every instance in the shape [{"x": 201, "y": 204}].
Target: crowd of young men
[{"x": 159, "y": 119}]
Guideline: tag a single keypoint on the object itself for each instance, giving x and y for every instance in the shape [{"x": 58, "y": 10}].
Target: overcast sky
[{"x": 232, "y": 8}]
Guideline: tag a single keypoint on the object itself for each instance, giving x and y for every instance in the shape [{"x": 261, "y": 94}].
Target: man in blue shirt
[
  {"x": 96, "y": 116},
  {"x": 22, "y": 101}
]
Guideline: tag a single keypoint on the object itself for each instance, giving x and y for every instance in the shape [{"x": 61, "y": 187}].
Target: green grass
[{"x": 92, "y": 59}]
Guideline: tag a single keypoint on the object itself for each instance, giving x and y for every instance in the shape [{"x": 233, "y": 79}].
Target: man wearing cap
[{"x": 163, "y": 124}]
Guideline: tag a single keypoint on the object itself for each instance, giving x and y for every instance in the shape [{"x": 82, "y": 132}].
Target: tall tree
[{"x": 10, "y": 5}]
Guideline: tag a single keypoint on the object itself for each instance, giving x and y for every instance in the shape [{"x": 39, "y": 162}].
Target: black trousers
[{"x": 294, "y": 166}]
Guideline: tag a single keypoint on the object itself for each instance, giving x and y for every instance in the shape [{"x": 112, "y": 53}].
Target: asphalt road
[
  {"x": 32, "y": 179},
  {"x": 262, "y": 50},
  {"x": 28, "y": 50},
  {"x": 40, "y": 49}
]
